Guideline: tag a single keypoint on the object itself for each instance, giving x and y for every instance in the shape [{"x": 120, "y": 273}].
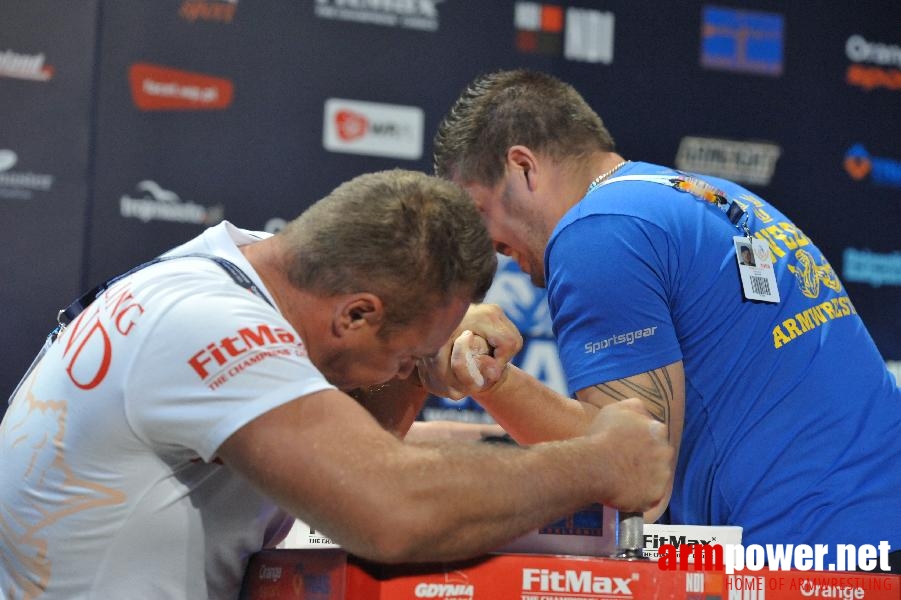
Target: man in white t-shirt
[{"x": 192, "y": 410}]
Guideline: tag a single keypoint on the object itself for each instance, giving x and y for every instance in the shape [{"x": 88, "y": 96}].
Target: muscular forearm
[
  {"x": 324, "y": 459},
  {"x": 433, "y": 508},
  {"x": 427, "y": 432},
  {"x": 531, "y": 412}
]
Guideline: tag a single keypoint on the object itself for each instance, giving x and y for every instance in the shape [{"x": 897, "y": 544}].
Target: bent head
[
  {"x": 510, "y": 140},
  {"x": 515, "y": 108},
  {"x": 406, "y": 253}
]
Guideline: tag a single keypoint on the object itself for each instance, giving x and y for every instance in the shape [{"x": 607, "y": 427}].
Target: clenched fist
[
  {"x": 476, "y": 355},
  {"x": 638, "y": 464}
]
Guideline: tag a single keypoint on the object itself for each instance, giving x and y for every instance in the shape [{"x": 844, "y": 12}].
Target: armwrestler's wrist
[{"x": 500, "y": 389}]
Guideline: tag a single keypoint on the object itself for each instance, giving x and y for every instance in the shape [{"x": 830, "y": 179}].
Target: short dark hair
[
  {"x": 414, "y": 240},
  {"x": 505, "y": 108}
]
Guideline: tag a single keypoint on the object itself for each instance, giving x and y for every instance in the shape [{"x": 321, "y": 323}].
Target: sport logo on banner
[
  {"x": 154, "y": 87},
  {"x": 24, "y": 66},
  {"x": 742, "y": 40},
  {"x": 873, "y": 268},
  {"x": 406, "y": 14},
  {"x": 744, "y": 162},
  {"x": 874, "y": 64},
  {"x": 20, "y": 185},
  {"x": 154, "y": 203},
  {"x": 881, "y": 171},
  {"x": 586, "y": 35},
  {"x": 369, "y": 128}
]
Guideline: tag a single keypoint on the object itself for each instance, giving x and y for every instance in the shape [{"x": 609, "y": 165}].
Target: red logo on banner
[
  {"x": 539, "y": 27},
  {"x": 222, "y": 11},
  {"x": 154, "y": 87},
  {"x": 351, "y": 125}
]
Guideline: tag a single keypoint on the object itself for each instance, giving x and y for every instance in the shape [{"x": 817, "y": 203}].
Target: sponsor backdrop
[{"x": 129, "y": 126}]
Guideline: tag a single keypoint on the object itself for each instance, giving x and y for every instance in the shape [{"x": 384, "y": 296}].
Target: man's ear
[
  {"x": 358, "y": 311},
  {"x": 521, "y": 158}
]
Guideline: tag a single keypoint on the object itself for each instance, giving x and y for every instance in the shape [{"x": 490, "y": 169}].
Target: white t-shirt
[{"x": 109, "y": 487}]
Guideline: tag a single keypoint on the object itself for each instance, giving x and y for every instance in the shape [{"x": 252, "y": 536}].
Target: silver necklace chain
[{"x": 597, "y": 180}]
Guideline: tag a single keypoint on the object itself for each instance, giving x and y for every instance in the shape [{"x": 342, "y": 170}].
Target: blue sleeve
[{"x": 609, "y": 283}]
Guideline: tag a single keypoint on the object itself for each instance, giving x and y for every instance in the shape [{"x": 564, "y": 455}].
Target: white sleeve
[{"x": 215, "y": 360}]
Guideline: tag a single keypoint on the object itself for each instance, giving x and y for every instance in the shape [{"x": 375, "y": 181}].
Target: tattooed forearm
[{"x": 654, "y": 387}]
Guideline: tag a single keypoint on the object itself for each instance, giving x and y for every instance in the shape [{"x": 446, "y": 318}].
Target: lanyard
[
  {"x": 75, "y": 308},
  {"x": 758, "y": 278},
  {"x": 68, "y": 314},
  {"x": 701, "y": 190}
]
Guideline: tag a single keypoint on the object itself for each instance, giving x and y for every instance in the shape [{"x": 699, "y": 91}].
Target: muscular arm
[
  {"x": 325, "y": 459},
  {"x": 424, "y": 432},
  {"x": 663, "y": 393},
  {"x": 532, "y": 412}
]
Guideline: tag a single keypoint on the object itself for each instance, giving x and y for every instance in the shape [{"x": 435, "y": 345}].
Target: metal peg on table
[{"x": 629, "y": 536}]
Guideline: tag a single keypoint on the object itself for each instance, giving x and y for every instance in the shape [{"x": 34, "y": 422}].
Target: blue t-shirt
[{"x": 792, "y": 421}]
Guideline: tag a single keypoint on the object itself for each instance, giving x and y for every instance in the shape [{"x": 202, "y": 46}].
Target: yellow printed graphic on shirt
[
  {"x": 787, "y": 242},
  {"x": 811, "y": 318},
  {"x": 809, "y": 274}
]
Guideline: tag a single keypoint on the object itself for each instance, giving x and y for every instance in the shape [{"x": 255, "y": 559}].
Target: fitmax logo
[
  {"x": 674, "y": 540},
  {"x": 246, "y": 340},
  {"x": 571, "y": 581}
]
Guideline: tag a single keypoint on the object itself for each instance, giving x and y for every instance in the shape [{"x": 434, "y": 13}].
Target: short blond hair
[{"x": 414, "y": 240}]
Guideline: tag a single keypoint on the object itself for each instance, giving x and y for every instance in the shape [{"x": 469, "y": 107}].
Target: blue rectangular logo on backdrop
[{"x": 742, "y": 40}]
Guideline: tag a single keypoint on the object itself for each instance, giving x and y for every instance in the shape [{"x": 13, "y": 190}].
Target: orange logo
[
  {"x": 222, "y": 11},
  {"x": 870, "y": 78},
  {"x": 858, "y": 167},
  {"x": 154, "y": 87}
]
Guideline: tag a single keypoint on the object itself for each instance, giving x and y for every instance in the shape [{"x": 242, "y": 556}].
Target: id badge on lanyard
[
  {"x": 755, "y": 266},
  {"x": 755, "y": 263}
]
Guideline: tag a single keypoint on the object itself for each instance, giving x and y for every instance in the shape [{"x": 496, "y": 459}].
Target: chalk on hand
[{"x": 471, "y": 354}]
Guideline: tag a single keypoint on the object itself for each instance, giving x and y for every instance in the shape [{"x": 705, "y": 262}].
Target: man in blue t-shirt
[{"x": 697, "y": 296}]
